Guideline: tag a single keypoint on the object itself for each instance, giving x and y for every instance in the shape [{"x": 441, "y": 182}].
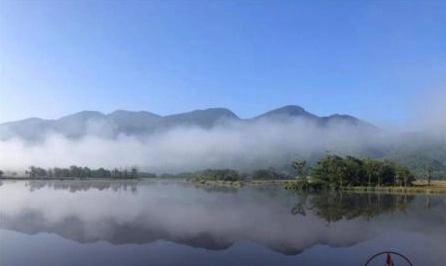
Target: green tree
[
  {"x": 300, "y": 166},
  {"x": 134, "y": 172},
  {"x": 219, "y": 174},
  {"x": 75, "y": 171},
  {"x": 330, "y": 170},
  {"x": 32, "y": 171},
  {"x": 371, "y": 168},
  {"x": 429, "y": 171},
  {"x": 403, "y": 175},
  {"x": 261, "y": 174},
  {"x": 116, "y": 173},
  {"x": 86, "y": 172},
  {"x": 354, "y": 171}
]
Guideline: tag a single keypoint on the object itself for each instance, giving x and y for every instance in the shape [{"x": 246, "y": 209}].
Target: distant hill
[
  {"x": 287, "y": 112},
  {"x": 144, "y": 123}
]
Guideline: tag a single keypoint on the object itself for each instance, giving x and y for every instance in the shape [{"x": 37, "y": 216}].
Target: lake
[{"x": 165, "y": 223}]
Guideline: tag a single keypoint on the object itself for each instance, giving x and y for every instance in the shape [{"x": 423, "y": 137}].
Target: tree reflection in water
[{"x": 337, "y": 205}]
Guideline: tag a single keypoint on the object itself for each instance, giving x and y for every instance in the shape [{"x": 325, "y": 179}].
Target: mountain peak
[
  {"x": 288, "y": 111},
  {"x": 124, "y": 113},
  {"x": 84, "y": 115},
  {"x": 291, "y": 109},
  {"x": 222, "y": 112},
  {"x": 346, "y": 120},
  {"x": 206, "y": 118}
]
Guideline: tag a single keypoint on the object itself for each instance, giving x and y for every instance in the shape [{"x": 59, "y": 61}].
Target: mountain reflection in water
[{"x": 123, "y": 213}]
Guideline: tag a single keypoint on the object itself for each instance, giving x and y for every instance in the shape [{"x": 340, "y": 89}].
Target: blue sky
[{"x": 372, "y": 59}]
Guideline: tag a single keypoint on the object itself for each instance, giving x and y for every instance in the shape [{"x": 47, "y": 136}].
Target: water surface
[{"x": 148, "y": 223}]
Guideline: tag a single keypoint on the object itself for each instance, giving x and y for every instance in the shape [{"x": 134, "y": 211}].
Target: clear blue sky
[{"x": 371, "y": 59}]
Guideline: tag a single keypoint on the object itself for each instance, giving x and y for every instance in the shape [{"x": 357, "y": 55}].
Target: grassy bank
[
  {"x": 436, "y": 187},
  {"x": 237, "y": 184},
  {"x": 98, "y": 179},
  {"x": 415, "y": 189},
  {"x": 67, "y": 178}
]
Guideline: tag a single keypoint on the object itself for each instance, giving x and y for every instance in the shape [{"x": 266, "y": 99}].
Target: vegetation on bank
[
  {"x": 434, "y": 188},
  {"x": 330, "y": 172},
  {"x": 335, "y": 172},
  {"x": 74, "y": 171},
  {"x": 226, "y": 175}
]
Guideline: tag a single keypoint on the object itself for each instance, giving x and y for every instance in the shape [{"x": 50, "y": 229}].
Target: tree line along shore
[{"x": 331, "y": 172}]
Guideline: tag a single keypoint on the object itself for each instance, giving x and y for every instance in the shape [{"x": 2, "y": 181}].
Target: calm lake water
[{"x": 147, "y": 223}]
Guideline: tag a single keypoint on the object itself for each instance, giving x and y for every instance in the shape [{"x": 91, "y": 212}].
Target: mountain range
[{"x": 144, "y": 123}]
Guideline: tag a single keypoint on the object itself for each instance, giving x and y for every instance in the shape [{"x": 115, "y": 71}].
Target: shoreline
[
  {"x": 416, "y": 189},
  {"x": 436, "y": 187}
]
